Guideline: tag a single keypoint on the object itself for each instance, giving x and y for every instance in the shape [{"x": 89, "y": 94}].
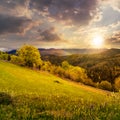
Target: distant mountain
[
  {"x": 65, "y": 52},
  {"x": 12, "y": 51}
]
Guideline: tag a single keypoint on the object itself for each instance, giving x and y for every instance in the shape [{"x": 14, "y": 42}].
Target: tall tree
[{"x": 30, "y": 55}]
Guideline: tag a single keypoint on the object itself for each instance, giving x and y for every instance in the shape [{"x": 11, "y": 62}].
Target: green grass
[{"x": 35, "y": 95}]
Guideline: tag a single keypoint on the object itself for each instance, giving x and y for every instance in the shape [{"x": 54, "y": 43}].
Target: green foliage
[
  {"x": 4, "y": 56},
  {"x": 65, "y": 65},
  {"x": 46, "y": 66},
  {"x": 30, "y": 56},
  {"x": 105, "y": 85}
]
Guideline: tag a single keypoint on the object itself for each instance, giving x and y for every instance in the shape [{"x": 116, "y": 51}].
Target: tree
[
  {"x": 117, "y": 83},
  {"x": 65, "y": 65},
  {"x": 46, "y": 66},
  {"x": 30, "y": 55}
]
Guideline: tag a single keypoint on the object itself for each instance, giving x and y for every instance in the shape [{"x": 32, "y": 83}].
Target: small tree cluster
[{"x": 68, "y": 71}]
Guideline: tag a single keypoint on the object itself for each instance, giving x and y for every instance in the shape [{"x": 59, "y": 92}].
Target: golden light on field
[{"x": 97, "y": 42}]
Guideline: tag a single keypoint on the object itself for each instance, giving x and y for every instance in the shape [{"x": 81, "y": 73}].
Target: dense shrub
[
  {"x": 117, "y": 84},
  {"x": 46, "y": 66},
  {"x": 65, "y": 65},
  {"x": 17, "y": 60},
  {"x": 60, "y": 71},
  {"x": 4, "y": 56},
  {"x": 89, "y": 82},
  {"x": 105, "y": 85}
]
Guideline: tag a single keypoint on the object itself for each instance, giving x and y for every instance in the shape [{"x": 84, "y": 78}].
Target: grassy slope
[
  {"x": 36, "y": 95},
  {"x": 19, "y": 80}
]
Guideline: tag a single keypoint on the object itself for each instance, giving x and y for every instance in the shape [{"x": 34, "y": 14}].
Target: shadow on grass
[{"x": 5, "y": 99}]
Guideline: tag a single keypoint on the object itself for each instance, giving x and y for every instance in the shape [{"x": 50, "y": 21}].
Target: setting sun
[{"x": 97, "y": 41}]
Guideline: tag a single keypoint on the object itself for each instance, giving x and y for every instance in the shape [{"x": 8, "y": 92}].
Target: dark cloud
[
  {"x": 70, "y": 11},
  {"x": 15, "y": 8},
  {"x": 115, "y": 39},
  {"x": 12, "y": 24},
  {"x": 49, "y": 35},
  {"x": 12, "y": 3}
]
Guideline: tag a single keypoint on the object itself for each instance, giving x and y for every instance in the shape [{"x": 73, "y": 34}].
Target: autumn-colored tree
[
  {"x": 65, "y": 65},
  {"x": 30, "y": 55}
]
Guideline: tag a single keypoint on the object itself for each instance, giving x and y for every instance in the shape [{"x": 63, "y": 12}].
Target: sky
[{"x": 60, "y": 23}]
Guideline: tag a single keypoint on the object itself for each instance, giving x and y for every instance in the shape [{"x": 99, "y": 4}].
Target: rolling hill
[
  {"x": 63, "y": 52},
  {"x": 26, "y": 94},
  {"x": 96, "y": 64}
]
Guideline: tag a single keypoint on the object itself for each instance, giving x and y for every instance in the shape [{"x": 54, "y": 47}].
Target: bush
[
  {"x": 4, "y": 56},
  {"x": 17, "y": 60},
  {"x": 117, "y": 84},
  {"x": 60, "y": 71},
  {"x": 105, "y": 85},
  {"x": 65, "y": 65},
  {"x": 46, "y": 66},
  {"x": 89, "y": 82}
]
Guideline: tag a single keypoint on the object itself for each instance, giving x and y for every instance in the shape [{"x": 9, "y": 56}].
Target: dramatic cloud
[
  {"x": 115, "y": 4},
  {"x": 79, "y": 12},
  {"x": 115, "y": 39},
  {"x": 13, "y": 3},
  {"x": 12, "y": 24},
  {"x": 75, "y": 22},
  {"x": 49, "y": 35},
  {"x": 15, "y": 7}
]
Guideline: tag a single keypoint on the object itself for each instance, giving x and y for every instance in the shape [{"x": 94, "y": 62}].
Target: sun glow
[{"x": 98, "y": 41}]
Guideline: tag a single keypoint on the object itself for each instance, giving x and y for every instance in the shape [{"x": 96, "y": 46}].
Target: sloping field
[{"x": 33, "y": 95}]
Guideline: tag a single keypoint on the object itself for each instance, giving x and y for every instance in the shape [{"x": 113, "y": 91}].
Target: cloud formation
[
  {"x": 115, "y": 4},
  {"x": 15, "y": 8},
  {"x": 49, "y": 35},
  {"x": 12, "y": 24},
  {"x": 21, "y": 19},
  {"x": 115, "y": 39},
  {"x": 79, "y": 12},
  {"x": 13, "y": 3}
]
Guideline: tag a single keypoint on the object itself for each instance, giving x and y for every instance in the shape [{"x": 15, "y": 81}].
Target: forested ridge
[{"x": 100, "y": 67}]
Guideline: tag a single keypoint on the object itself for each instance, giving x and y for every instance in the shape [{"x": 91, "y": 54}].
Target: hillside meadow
[{"x": 26, "y": 94}]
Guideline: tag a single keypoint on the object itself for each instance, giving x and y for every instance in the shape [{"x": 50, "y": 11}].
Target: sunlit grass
[{"x": 37, "y": 95}]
